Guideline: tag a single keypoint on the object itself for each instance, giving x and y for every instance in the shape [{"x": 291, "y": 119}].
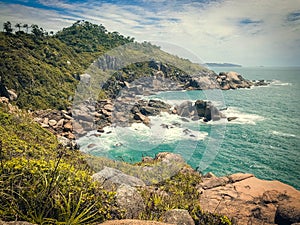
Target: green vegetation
[
  {"x": 44, "y": 70},
  {"x": 179, "y": 192},
  {"x": 43, "y": 183}
]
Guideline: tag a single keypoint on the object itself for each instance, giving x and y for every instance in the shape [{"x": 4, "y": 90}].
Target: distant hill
[{"x": 223, "y": 65}]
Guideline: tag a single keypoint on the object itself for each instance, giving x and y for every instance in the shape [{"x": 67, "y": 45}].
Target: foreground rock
[
  {"x": 179, "y": 217},
  {"x": 132, "y": 222},
  {"x": 15, "y": 223},
  {"x": 110, "y": 177},
  {"x": 130, "y": 200},
  {"x": 249, "y": 200}
]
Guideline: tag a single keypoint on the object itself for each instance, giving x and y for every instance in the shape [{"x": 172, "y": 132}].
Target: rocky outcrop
[
  {"x": 129, "y": 199},
  {"x": 112, "y": 178},
  {"x": 60, "y": 123},
  {"x": 132, "y": 222},
  {"x": 288, "y": 212},
  {"x": 232, "y": 80},
  {"x": 198, "y": 110},
  {"x": 178, "y": 216},
  {"x": 249, "y": 200}
]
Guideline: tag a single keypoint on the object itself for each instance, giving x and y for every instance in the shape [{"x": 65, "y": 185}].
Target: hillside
[{"x": 44, "y": 70}]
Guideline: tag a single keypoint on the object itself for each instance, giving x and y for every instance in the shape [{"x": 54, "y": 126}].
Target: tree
[
  {"x": 18, "y": 25},
  {"x": 7, "y": 27},
  {"x": 26, "y": 27},
  {"x": 38, "y": 32}
]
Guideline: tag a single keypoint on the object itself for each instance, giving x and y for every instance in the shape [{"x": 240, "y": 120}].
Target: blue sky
[{"x": 251, "y": 33}]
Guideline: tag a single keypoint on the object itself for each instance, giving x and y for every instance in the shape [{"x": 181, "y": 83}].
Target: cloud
[{"x": 246, "y": 32}]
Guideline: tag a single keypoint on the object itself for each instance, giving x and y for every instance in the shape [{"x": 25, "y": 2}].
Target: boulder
[
  {"x": 15, "y": 223},
  {"x": 270, "y": 196},
  {"x": 110, "y": 178},
  {"x": 159, "y": 104},
  {"x": 132, "y": 222},
  {"x": 178, "y": 217},
  {"x": 141, "y": 117},
  {"x": 185, "y": 109},
  {"x": 60, "y": 123},
  {"x": 129, "y": 199},
  {"x": 4, "y": 100},
  {"x": 200, "y": 106},
  {"x": 231, "y": 118},
  {"x": 150, "y": 111},
  {"x": 250, "y": 200},
  {"x": 214, "y": 182},
  {"x": 109, "y": 107},
  {"x": 52, "y": 123},
  {"x": 288, "y": 212},
  {"x": 239, "y": 176},
  {"x": 168, "y": 157}
]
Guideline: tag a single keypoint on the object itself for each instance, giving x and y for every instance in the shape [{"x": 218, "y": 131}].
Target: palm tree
[
  {"x": 18, "y": 25},
  {"x": 26, "y": 27}
]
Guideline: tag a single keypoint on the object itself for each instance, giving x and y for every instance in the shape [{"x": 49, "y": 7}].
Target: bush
[
  {"x": 179, "y": 192},
  {"x": 51, "y": 192}
]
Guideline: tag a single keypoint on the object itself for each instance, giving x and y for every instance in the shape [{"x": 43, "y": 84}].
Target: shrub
[{"x": 51, "y": 192}]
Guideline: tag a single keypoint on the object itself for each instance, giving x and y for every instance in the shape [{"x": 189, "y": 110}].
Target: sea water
[{"x": 263, "y": 140}]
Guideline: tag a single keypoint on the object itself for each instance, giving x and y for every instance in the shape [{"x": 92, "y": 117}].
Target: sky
[{"x": 250, "y": 33}]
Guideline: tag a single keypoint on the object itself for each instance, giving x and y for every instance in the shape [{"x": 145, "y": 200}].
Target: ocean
[{"x": 264, "y": 140}]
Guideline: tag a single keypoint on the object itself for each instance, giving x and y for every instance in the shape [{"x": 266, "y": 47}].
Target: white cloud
[{"x": 247, "y": 32}]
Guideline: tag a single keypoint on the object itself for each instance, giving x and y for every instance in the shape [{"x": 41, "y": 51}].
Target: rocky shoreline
[{"x": 130, "y": 108}]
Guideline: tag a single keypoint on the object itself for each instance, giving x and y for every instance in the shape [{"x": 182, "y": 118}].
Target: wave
[
  {"x": 280, "y": 83},
  {"x": 163, "y": 129},
  {"x": 278, "y": 133},
  {"x": 242, "y": 117}
]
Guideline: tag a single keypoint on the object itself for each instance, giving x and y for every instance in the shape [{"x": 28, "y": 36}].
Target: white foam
[
  {"x": 278, "y": 133},
  {"x": 242, "y": 117},
  {"x": 163, "y": 129},
  {"x": 280, "y": 83}
]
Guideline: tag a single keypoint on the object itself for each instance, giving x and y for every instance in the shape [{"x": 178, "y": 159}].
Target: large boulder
[
  {"x": 250, "y": 200},
  {"x": 132, "y": 222},
  {"x": 232, "y": 80},
  {"x": 129, "y": 199},
  {"x": 185, "y": 109},
  {"x": 111, "y": 178},
  {"x": 288, "y": 212},
  {"x": 178, "y": 217},
  {"x": 207, "y": 110},
  {"x": 168, "y": 157}
]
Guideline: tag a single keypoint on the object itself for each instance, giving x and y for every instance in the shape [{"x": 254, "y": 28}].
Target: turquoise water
[{"x": 264, "y": 140}]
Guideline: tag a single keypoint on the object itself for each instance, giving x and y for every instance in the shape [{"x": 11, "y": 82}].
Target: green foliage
[
  {"x": 22, "y": 137},
  {"x": 179, "y": 192},
  {"x": 43, "y": 69},
  {"x": 42, "y": 191},
  {"x": 43, "y": 183},
  {"x": 84, "y": 36}
]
